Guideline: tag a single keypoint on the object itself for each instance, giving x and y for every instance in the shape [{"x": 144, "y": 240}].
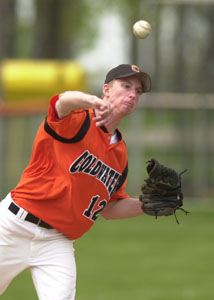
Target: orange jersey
[{"x": 73, "y": 173}]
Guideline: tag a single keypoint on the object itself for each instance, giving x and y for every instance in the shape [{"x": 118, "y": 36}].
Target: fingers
[
  {"x": 100, "y": 121},
  {"x": 103, "y": 113}
]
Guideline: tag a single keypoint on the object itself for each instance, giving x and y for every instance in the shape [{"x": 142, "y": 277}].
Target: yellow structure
[{"x": 23, "y": 80}]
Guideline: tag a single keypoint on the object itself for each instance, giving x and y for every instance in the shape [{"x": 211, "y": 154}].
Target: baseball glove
[{"x": 161, "y": 193}]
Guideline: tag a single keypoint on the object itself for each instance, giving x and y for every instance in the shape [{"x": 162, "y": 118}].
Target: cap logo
[{"x": 135, "y": 68}]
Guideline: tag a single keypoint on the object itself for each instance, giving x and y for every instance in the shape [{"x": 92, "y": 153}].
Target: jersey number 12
[{"x": 90, "y": 212}]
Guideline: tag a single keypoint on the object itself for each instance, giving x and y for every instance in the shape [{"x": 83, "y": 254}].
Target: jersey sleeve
[
  {"x": 120, "y": 190},
  {"x": 120, "y": 194},
  {"x": 67, "y": 127}
]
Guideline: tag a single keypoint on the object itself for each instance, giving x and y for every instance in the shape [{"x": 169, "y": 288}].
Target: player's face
[{"x": 123, "y": 94}]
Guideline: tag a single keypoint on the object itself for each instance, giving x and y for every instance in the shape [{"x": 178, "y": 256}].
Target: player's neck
[{"x": 113, "y": 125}]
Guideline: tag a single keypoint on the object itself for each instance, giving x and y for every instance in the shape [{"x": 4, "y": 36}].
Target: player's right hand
[{"x": 103, "y": 111}]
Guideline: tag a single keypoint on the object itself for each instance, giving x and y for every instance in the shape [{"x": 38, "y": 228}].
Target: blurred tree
[
  {"x": 63, "y": 27},
  {"x": 208, "y": 66},
  {"x": 7, "y": 28},
  {"x": 184, "y": 48},
  {"x": 66, "y": 27},
  {"x": 194, "y": 48},
  {"x": 47, "y": 30},
  {"x": 129, "y": 12},
  {"x": 178, "y": 79}
]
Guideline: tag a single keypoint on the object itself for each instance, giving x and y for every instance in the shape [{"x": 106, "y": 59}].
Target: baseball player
[{"x": 77, "y": 171}]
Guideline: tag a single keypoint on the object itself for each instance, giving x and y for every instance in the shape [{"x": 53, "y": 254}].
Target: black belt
[{"x": 29, "y": 217}]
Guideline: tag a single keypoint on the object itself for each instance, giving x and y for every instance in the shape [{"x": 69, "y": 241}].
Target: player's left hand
[{"x": 161, "y": 193}]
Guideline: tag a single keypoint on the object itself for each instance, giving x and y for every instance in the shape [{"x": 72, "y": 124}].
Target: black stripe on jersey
[
  {"x": 104, "y": 129},
  {"x": 122, "y": 178},
  {"x": 78, "y": 137},
  {"x": 119, "y": 136}
]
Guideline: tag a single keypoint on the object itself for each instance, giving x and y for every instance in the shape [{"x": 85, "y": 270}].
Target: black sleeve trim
[
  {"x": 78, "y": 137},
  {"x": 122, "y": 178}
]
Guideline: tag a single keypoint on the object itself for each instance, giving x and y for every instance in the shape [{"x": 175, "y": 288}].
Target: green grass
[{"x": 141, "y": 259}]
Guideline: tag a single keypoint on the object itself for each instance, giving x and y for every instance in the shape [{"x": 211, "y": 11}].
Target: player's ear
[{"x": 106, "y": 88}]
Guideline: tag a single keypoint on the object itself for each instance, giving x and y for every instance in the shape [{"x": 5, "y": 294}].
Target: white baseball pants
[{"x": 48, "y": 254}]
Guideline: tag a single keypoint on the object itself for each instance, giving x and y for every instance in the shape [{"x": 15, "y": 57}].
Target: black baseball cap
[{"x": 126, "y": 70}]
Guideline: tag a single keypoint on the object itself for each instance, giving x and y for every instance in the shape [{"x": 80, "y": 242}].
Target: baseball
[{"x": 142, "y": 29}]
